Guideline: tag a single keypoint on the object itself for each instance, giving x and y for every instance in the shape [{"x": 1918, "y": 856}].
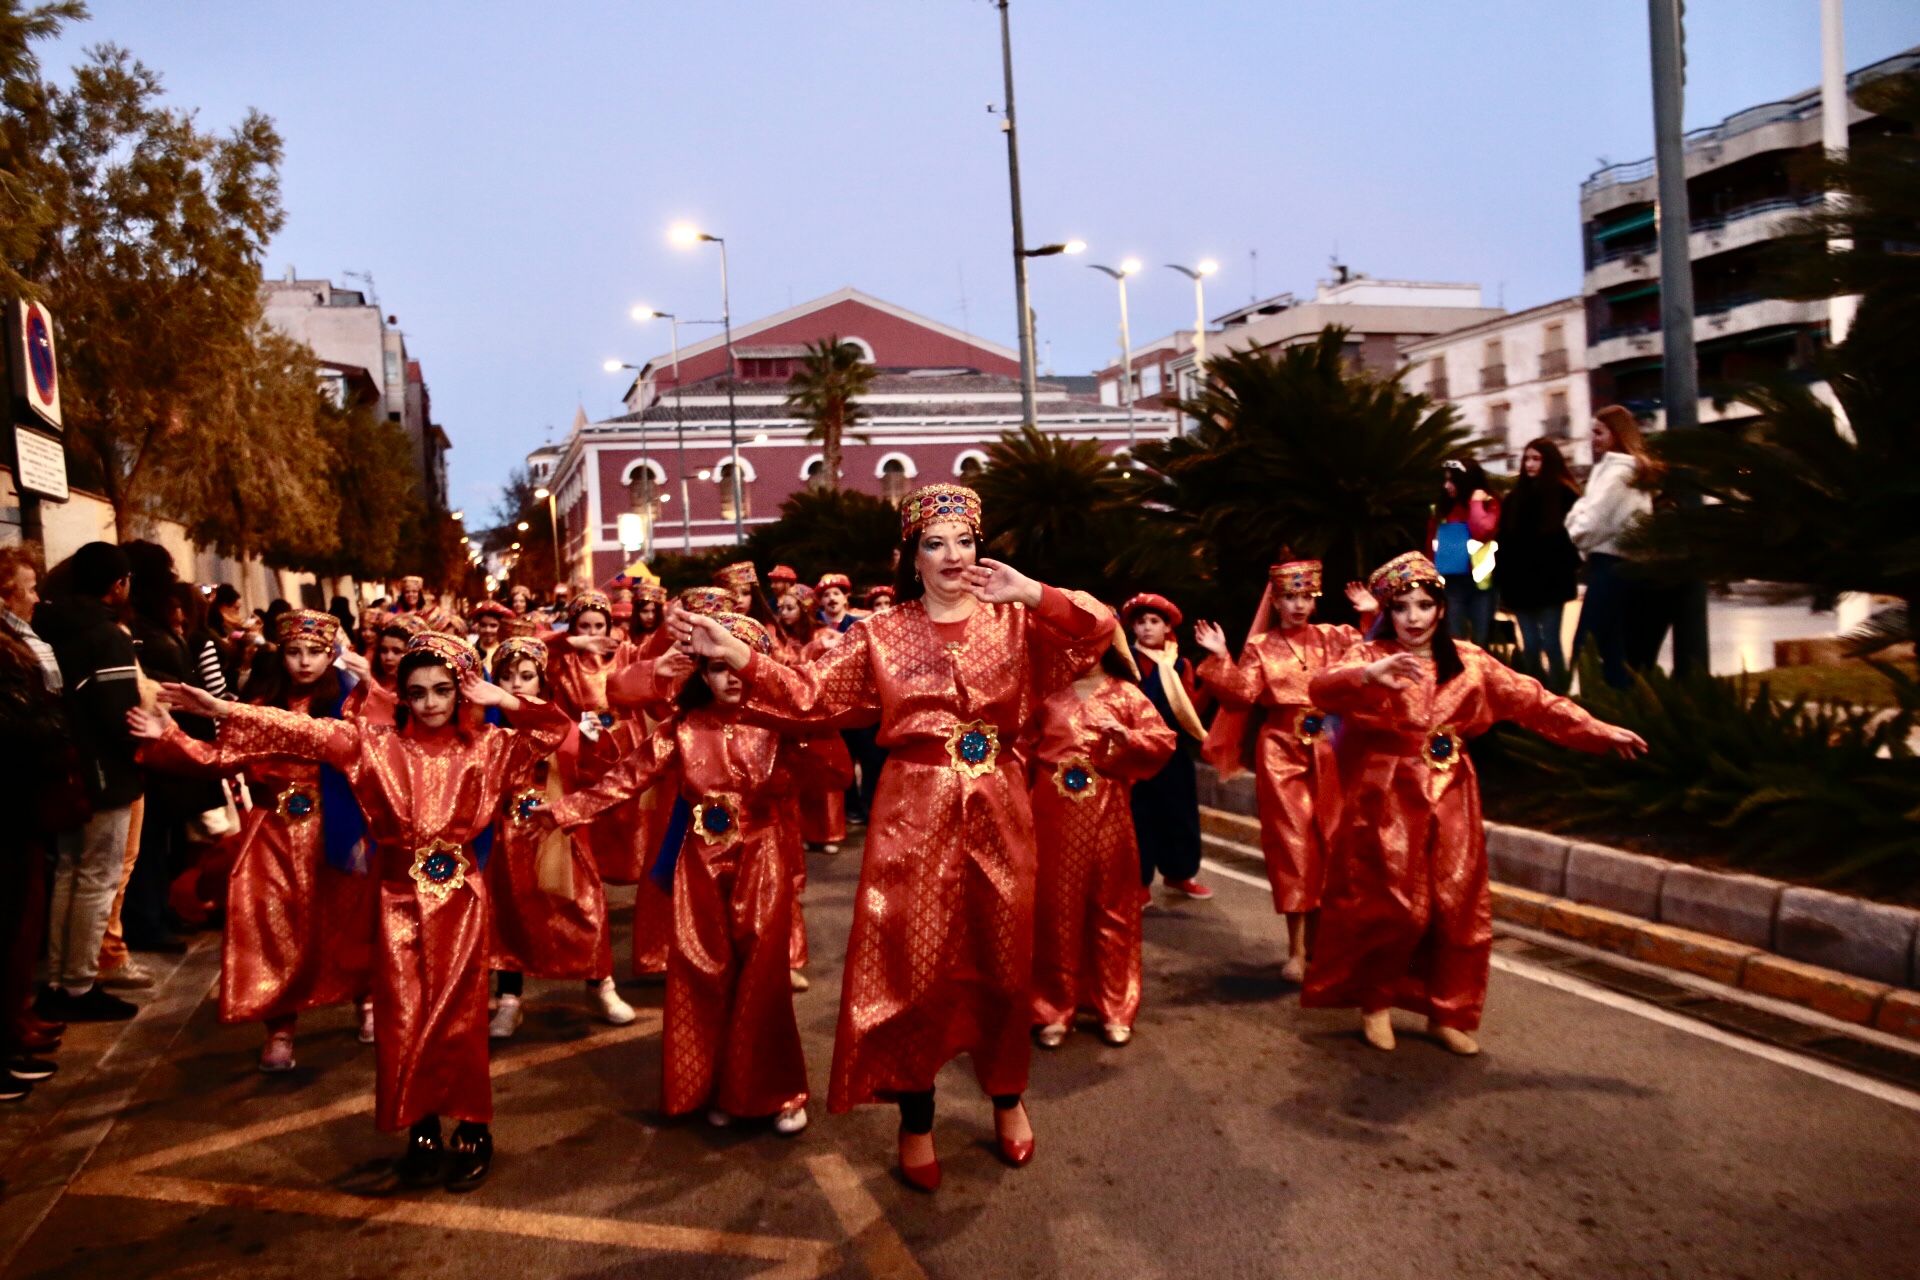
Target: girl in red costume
[
  {"x": 299, "y": 902},
  {"x": 549, "y": 907},
  {"x": 1090, "y": 742},
  {"x": 940, "y": 959},
  {"x": 429, "y": 787},
  {"x": 1407, "y": 922},
  {"x": 730, "y": 1044},
  {"x": 1271, "y": 726}
]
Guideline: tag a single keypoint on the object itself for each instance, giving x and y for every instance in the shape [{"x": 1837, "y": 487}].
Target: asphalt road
[{"x": 1236, "y": 1136}]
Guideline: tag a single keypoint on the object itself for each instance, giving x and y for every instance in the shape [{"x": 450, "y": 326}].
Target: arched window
[
  {"x": 862, "y": 345},
  {"x": 969, "y": 466},
  {"x": 894, "y": 480},
  {"x": 723, "y": 476},
  {"x": 814, "y": 471}
]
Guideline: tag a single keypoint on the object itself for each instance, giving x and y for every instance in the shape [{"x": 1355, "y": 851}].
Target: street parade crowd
[{"x": 415, "y": 809}]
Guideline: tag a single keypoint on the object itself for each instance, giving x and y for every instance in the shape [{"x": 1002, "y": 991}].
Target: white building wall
[{"x": 1523, "y": 409}]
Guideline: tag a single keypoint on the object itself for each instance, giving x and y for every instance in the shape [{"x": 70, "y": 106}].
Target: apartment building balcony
[
  {"x": 1493, "y": 377},
  {"x": 1437, "y": 389},
  {"x": 1755, "y": 222},
  {"x": 1557, "y": 426},
  {"x": 1553, "y": 362},
  {"x": 1713, "y": 319}
]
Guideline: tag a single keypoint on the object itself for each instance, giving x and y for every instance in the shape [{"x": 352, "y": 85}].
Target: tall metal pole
[
  {"x": 553, "y": 525},
  {"x": 1680, "y": 374},
  {"x": 1028, "y": 390},
  {"x": 1126, "y": 368},
  {"x": 1199, "y": 329},
  {"x": 680, "y": 434},
  {"x": 1833, "y": 139},
  {"x": 733, "y": 418}
]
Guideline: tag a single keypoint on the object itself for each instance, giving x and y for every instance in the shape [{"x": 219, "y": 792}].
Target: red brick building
[{"x": 940, "y": 399}]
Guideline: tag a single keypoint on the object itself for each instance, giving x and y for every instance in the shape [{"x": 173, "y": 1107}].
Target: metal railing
[
  {"x": 1553, "y": 362},
  {"x": 1439, "y": 390},
  {"x": 1556, "y": 426},
  {"x": 1493, "y": 377}
]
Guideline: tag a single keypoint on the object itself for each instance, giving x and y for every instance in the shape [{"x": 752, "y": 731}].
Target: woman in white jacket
[{"x": 1613, "y": 502}]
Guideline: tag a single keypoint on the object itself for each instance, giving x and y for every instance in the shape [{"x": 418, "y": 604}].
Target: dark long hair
[
  {"x": 269, "y": 685},
  {"x": 1468, "y": 476},
  {"x": 1538, "y": 504},
  {"x": 342, "y": 610},
  {"x": 410, "y": 664},
  {"x": 151, "y": 594},
  {"x": 1447, "y": 662}
]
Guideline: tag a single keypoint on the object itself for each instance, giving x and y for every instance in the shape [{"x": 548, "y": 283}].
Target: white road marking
[{"x": 1881, "y": 1089}]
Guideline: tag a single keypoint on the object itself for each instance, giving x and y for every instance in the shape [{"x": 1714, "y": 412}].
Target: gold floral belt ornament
[
  {"x": 1309, "y": 723},
  {"x": 521, "y": 807},
  {"x": 717, "y": 819},
  {"x": 296, "y": 803},
  {"x": 1443, "y": 750},
  {"x": 974, "y": 748},
  {"x": 439, "y": 868},
  {"x": 1076, "y": 778}
]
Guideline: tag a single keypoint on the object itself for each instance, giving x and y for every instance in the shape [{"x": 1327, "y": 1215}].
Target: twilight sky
[{"x": 507, "y": 170}]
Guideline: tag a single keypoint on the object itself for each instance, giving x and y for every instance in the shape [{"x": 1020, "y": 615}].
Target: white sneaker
[
  {"x": 506, "y": 1019},
  {"x": 797, "y": 980},
  {"x": 791, "y": 1122},
  {"x": 277, "y": 1054},
  {"x": 131, "y": 975},
  {"x": 606, "y": 1001},
  {"x": 366, "y": 1022},
  {"x": 718, "y": 1118},
  {"x": 830, "y": 847}
]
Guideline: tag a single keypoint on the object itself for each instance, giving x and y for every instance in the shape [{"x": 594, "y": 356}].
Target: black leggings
[
  {"x": 512, "y": 983},
  {"x": 916, "y": 1109}
]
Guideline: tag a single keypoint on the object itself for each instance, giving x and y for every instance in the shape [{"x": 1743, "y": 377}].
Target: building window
[
  {"x": 893, "y": 480},
  {"x": 970, "y": 466},
  {"x": 1110, "y": 391},
  {"x": 1553, "y": 356},
  {"x": 1559, "y": 423},
  {"x": 1493, "y": 366},
  {"x": 814, "y": 473},
  {"x": 1437, "y": 379},
  {"x": 723, "y": 476},
  {"x": 1497, "y": 415},
  {"x": 1150, "y": 380}
]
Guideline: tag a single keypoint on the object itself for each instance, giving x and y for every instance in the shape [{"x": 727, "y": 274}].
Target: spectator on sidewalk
[
  {"x": 19, "y": 594},
  {"x": 1616, "y": 499},
  {"x": 1461, "y": 537},
  {"x": 1538, "y": 563},
  {"x": 101, "y": 681}
]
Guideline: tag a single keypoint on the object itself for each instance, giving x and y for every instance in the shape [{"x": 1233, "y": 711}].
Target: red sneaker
[{"x": 1192, "y": 888}]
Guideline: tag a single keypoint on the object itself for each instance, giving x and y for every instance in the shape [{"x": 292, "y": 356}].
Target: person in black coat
[{"x": 1537, "y": 562}]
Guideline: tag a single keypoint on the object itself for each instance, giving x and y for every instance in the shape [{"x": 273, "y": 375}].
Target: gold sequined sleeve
[
  {"x": 817, "y": 764},
  {"x": 539, "y": 727},
  {"x": 632, "y": 774},
  {"x": 1344, "y": 688},
  {"x": 175, "y": 752},
  {"x": 1148, "y": 743},
  {"x": 1066, "y": 634},
  {"x": 249, "y": 733},
  {"x": 837, "y": 689},
  {"x": 1236, "y": 684},
  {"x": 1531, "y": 705}
]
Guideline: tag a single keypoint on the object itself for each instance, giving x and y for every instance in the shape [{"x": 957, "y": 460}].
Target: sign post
[{"x": 36, "y": 447}]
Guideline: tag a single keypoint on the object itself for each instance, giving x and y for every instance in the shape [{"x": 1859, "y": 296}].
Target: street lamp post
[
  {"x": 686, "y": 236},
  {"x": 679, "y": 417},
  {"x": 1198, "y": 274},
  {"x": 553, "y": 524},
  {"x": 1130, "y": 267},
  {"x": 1028, "y": 390}
]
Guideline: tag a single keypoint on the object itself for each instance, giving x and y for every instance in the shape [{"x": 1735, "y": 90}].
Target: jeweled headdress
[
  {"x": 1151, "y": 602},
  {"x": 803, "y": 593},
  {"x": 782, "y": 573},
  {"x": 839, "y": 580},
  {"x": 461, "y": 658},
  {"x": 521, "y": 627},
  {"x": 1295, "y": 576},
  {"x": 589, "y": 600},
  {"x": 490, "y": 609},
  {"x": 1401, "y": 574},
  {"x": 738, "y": 576},
  {"x": 649, "y": 593},
  {"x": 875, "y": 595},
  {"x": 410, "y": 623},
  {"x": 413, "y": 582},
  {"x": 743, "y": 628},
  {"x": 933, "y": 503},
  {"x": 515, "y": 649},
  {"x": 308, "y": 624},
  {"x": 707, "y": 600}
]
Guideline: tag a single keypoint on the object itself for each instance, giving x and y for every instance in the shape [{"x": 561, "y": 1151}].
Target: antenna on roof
[
  {"x": 373, "y": 295},
  {"x": 1253, "y": 275}
]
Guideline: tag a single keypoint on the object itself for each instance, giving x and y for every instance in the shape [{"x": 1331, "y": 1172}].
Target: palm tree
[
  {"x": 1297, "y": 449},
  {"x": 825, "y": 392},
  {"x": 1055, "y": 507}
]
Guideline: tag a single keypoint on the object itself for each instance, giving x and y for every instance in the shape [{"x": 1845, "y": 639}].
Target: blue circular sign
[{"x": 40, "y": 353}]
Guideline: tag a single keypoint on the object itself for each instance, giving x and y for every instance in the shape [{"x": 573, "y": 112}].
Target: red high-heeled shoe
[
  {"x": 921, "y": 1177},
  {"x": 1016, "y": 1153}
]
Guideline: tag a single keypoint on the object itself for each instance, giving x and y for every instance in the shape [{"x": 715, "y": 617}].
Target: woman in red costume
[
  {"x": 730, "y": 1043},
  {"x": 1271, "y": 726},
  {"x": 649, "y": 607},
  {"x": 940, "y": 959},
  {"x": 377, "y": 694},
  {"x": 549, "y": 907},
  {"x": 429, "y": 788},
  {"x": 1090, "y": 742},
  {"x": 1407, "y": 922},
  {"x": 580, "y": 663},
  {"x": 299, "y": 901}
]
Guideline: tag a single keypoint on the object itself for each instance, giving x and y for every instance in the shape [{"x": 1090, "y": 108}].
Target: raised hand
[
  {"x": 148, "y": 726},
  {"x": 673, "y": 665},
  {"x": 1627, "y": 744},
  {"x": 600, "y": 645},
  {"x": 708, "y": 639},
  {"x": 184, "y": 697},
  {"x": 995, "y": 582},
  {"x": 475, "y": 689},
  {"x": 1210, "y": 637},
  {"x": 1361, "y": 599},
  {"x": 356, "y": 666},
  {"x": 1399, "y": 671}
]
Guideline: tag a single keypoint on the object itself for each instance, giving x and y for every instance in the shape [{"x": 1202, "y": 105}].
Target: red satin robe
[
  {"x": 549, "y": 908},
  {"x": 299, "y": 931},
  {"x": 426, "y": 795},
  {"x": 818, "y": 815},
  {"x": 1088, "y": 752},
  {"x": 730, "y": 1040},
  {"x": 1297, "y": 777},
  {"x": 940, "y": 958},
  {"x": 1407, "y": 921},
  {"x": 823, "y": 814}
]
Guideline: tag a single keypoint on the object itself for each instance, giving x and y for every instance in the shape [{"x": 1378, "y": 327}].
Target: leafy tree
[
  {"x": 1054, "y": 507},
  {"x": 1295, "y": 449},
  {"x": 828, "y": 531},
  {"x": 27, "y": 214},
  {"x": 825, "y": 392},
  {"x": 517, "y": 504},
  {"x": 376, "y": 491}
]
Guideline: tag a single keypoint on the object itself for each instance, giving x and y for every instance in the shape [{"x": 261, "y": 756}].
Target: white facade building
[{"x": 1514, "y": 378}]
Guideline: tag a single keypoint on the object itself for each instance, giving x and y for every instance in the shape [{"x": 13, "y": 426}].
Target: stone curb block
[
  {"x": 1595, "y": 926},
  {"x": 1872, "y": 939},
  {"x": 1900, "y": 1014},
  {"x": 1627, "y": 882},
  {"x": 1520, "y": 906},
  {"x": 1704, "y": 954},
  {"x": 1725, "y": 904},
  {"x": 1531, "y": 859},
  {"x": 1230, "y": 826},
  {"x": 1838, "y": 995},
  {"x": 1205, "y": 783}
]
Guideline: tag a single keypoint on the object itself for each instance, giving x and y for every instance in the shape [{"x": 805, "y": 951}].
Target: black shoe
[
  {"x": 95, "y": 1005},
  {"x": 422, "y": 1162},
  {"x": 469, "y": 1156},
  {"x": 12, "y": 1090},
  {"x": 31, "y": 1069}
]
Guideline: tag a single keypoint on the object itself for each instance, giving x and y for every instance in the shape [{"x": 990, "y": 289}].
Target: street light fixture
[
  {"x": 641, "y": 313},
  {"x": 1048, "y": 250},
  {"x": 523, "y": 526},
  {"x": 456, "y": 515},
  {"x": 1198, "y": 273},
  {"x": 553, "y": 524},
  {"x": 1129, "y": 267},
  {"x": 686, "y": 236}
]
